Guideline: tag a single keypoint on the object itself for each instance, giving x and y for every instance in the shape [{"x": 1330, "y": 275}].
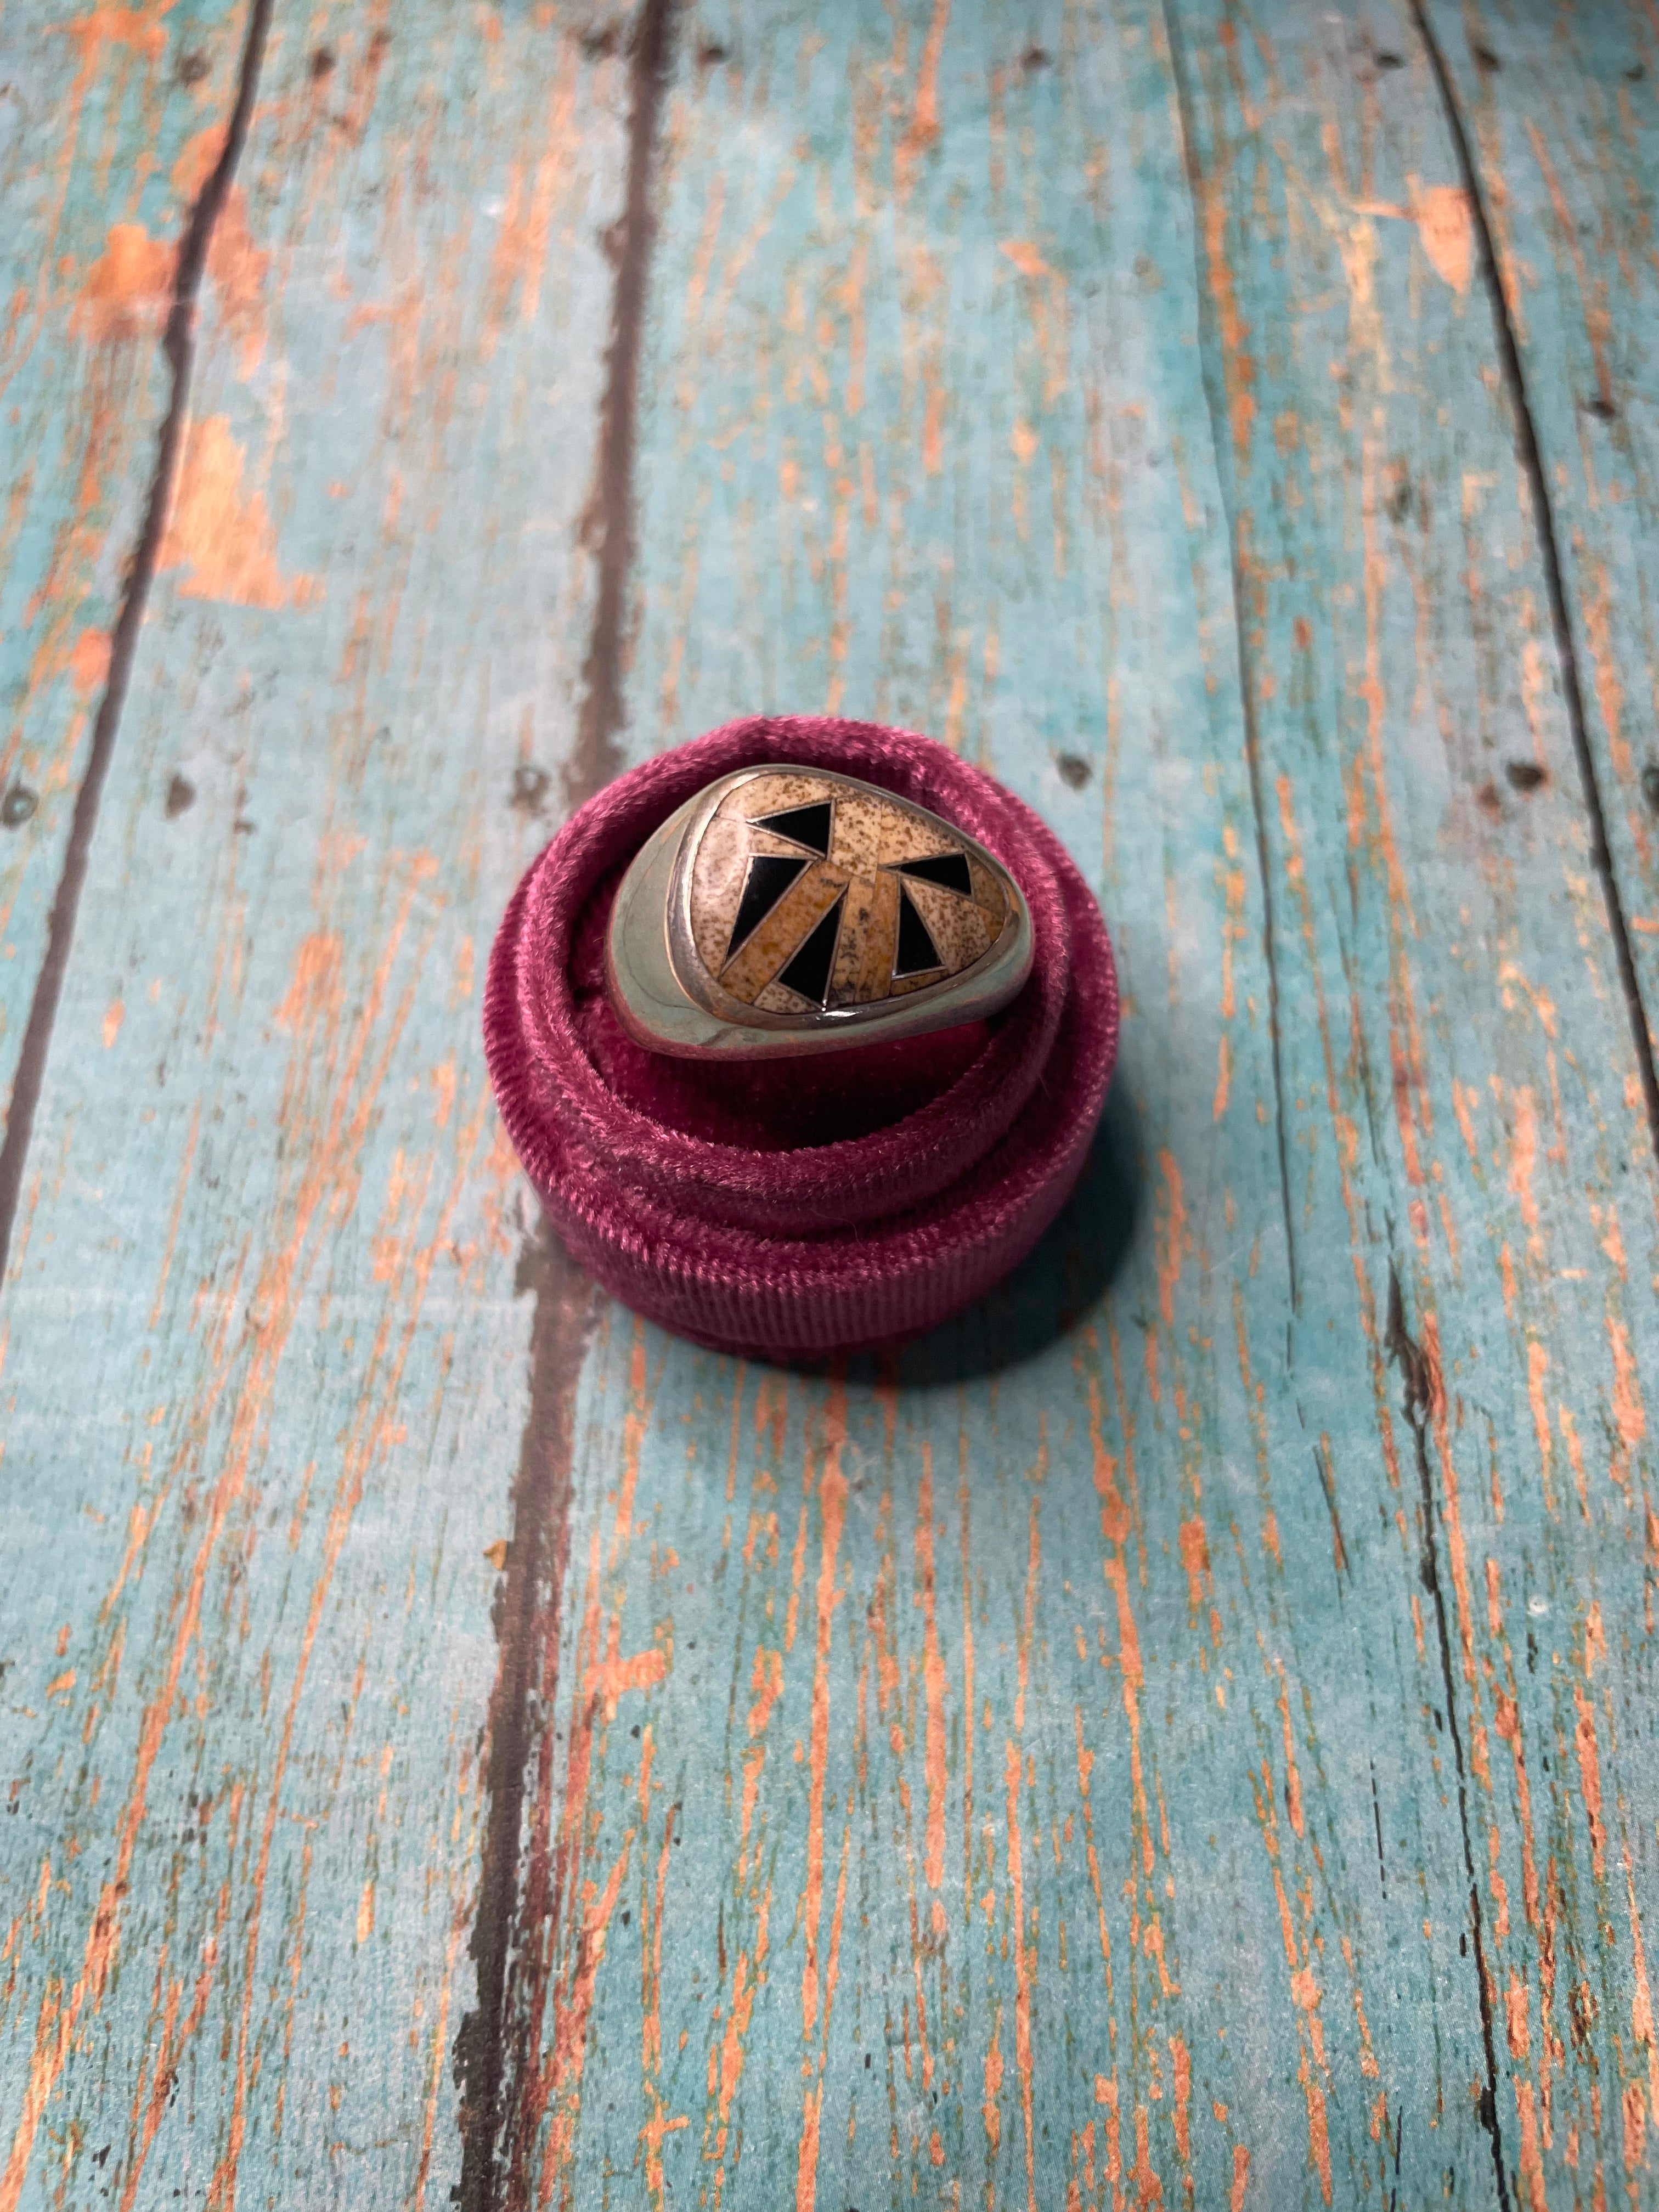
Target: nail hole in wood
[
  {"x": 15, "y": 808},
  {"x": 181, "y": 797},
  {"x": 193, "y": 66},
  {"x": 530, "y": 787},
  {"x": 1034, "y": 59},
  {"x": 711, "y": 54},
  {"x": 322, "y": 64},
  {"x": 1635, "y": 73},
  {"x": 1487, "y": 60},
  {"x": 1390, "y": 61},
  {"x": 1602, "y": 408},
  {"x": 1525, "y": 775},
  {"x": 1650, "y": 785},
  {"x": 1073, "y": 769},
  {"x": 598, "y": 43}
]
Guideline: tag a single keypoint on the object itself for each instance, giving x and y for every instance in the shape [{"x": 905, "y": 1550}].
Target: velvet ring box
[{"x": 786, "y": 1209}]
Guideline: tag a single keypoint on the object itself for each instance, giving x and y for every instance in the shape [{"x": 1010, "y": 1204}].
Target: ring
[{"x": 787, "y": 910}]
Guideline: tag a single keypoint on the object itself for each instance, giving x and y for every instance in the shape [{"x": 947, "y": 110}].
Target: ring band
[{"x": 787, "y": 910}]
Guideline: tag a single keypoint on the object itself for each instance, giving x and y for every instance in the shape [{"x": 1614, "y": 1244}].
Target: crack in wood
[
  {"x": 1216, "y": 399},
  {"x": 1530, "y": 456},
  {"x": 1421, "y": 1385}
]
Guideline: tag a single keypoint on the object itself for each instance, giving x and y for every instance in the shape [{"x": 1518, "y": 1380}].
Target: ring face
[{"x": 788, "y": 909}]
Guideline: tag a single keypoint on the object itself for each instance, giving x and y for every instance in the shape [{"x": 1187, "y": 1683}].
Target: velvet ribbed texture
[{"x": 788, "y": 1208}]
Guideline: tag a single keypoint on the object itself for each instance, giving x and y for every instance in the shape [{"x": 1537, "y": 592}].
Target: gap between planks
[
  {"x": 178, "y": 343},
  {"x": 493, "y": 2149}
]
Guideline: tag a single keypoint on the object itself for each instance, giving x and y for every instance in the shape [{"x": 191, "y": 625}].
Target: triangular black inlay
[
  {"x": 809, "y": 971},
  {"x": 917, "y": 951},
  {"x": 806, "y": 825},
  {"x": 770, "y": 875},
  {"x": 948, "y": 870}
]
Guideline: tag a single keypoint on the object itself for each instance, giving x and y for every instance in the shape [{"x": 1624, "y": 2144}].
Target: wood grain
[
  {"x": 110, "y": 120},
  {"x": 1468, "y": 1078},
  {"x": 1182, "y": 1736},
  {"x": 1558, "y": 110},
  {"x": 1189, "y": 1742},
  {"x": 263, "y": 1357}
]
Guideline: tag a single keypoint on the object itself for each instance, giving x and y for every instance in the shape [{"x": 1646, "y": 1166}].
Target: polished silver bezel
[{"x": 668, "y": 1001}]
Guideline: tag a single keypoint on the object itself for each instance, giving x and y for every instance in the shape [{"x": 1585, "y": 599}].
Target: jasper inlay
[{"x": 807, "y": 892}]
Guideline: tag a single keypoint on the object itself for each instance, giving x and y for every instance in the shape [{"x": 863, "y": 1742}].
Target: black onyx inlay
[
  {"x": 948, "y": 870},
  {"x": 809, "y": 971},
  {"x": 770, "y": 875},
  {"x": 804, "y": 825},
  {"x": 917, "y": 951}
]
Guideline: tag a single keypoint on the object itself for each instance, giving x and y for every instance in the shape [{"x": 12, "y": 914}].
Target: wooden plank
[
  {"x": 1558, "y": 115},
  {"x": 1159, "y": 1738},
  {"x": 265, "y": 1362},
  {"x": 1442, "y": 914},
  {"x": 109, "y": 122}
]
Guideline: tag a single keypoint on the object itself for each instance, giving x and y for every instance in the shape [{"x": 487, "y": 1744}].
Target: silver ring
[{"x": 788, "y": 910}]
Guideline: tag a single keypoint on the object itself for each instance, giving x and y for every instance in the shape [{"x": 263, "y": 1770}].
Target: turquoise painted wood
[
  {"x": 1559, "y": 107},
  {"x": 1456, "y": 1049},
  {"x": 109, "y": 121},
  {"x": 1134, "y": 1746},
  {"x": 264, "y": 1380},
  {"x": 1179, "y": 1736}
]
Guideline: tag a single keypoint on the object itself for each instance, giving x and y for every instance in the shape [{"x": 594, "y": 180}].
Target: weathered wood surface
[
  {"x": 1181, "y": 1735},
  {"x": 264, "y": 1379},
  {"x": 110, "y": 120},
  {"x": 1561, "y": 127}
]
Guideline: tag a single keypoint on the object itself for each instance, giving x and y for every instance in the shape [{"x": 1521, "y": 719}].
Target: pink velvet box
[{"x": 786, "y": 1209}]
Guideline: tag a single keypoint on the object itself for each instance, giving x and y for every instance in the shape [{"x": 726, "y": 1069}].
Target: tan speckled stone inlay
[{"x": 894, "y": 931}]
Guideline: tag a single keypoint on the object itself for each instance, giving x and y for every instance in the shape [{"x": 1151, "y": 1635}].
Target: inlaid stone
[{"x": 808, "y": 892}]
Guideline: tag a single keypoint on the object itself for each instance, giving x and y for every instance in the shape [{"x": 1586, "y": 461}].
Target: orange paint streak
[
  {"x": 1146, "y": 2180},
  {"x": 1446, "y": 227},
  {"x": 1523, "y": 1160},
  {"x": 1538, "y": 1364},
  {"x": 1238, "y": 367},
  {"x": 614, "y": 1675},
  {"x": 1629, "y": 1416},
  {"x": 832, "y": 1507},
  {"x": 1117, "y": 1575},
  {"x": 1171, "y": 1236},
  {"x": 967, "y": 1687},
  {"x": 1641, "y": 2004},
  {"x": 1113, "y": 1512},
  {"x": 525, "y": 226},
  {"x": 573, "y": 2005},
  {"x": 1240, "y": 2178},
  {"x": 924, "y": 129},
  {"x": 1292, "y": 1779},
  {"x": 635, "y": 1421},
  {"x": 933, "y": 1674},
  {"x": 1590, "y": 1776},
  {"x": 127, "y": 291},
  {"x": 806, "y": 2178},
  {"x": 991, "y": 2109},
  {"x": 766, "y": 1680},
  {"x": 1181, "y": 2060},
  {"x": 1085, "y": 1760},
  {"x": 326, "y": 1188},
  {"x": 222, "y": 537},
  {"x": 1011, "y": 1772}
]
